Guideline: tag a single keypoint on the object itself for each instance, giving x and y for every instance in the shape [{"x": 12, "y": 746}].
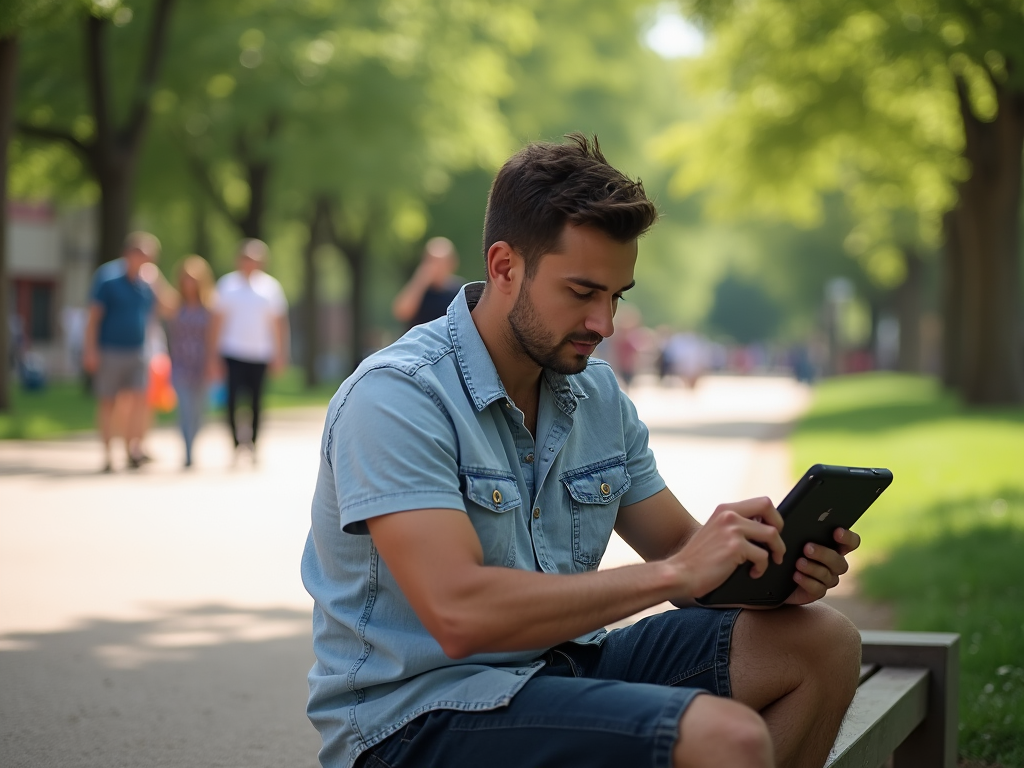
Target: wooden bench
[{"x": 906, "y": 705}]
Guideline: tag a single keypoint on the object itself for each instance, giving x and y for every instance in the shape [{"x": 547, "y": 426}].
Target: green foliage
[
  {"x": 943, "y": 543},
  {"x": 743, "y": 311},
  {"x": 809, "y": 97},
  {"x": 18, "y": 15}
]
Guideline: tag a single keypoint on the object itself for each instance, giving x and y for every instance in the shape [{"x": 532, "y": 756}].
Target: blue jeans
[
  {"x": 617, "y": 704},
  {"x": 191, "y": 403}
]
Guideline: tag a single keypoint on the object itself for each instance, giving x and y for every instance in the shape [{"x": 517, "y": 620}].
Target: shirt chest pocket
[
  {"x": 492, "y": 502},
  {"x": 594, "y": 492}
]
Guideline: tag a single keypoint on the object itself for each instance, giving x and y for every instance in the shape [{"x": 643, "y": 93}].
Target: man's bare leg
[
  {"x": 716, "y": 732},
  {"x": 135, "y": 422},
  {"x": 799, "y": 668},
  {"x": 105, "y": 423}
]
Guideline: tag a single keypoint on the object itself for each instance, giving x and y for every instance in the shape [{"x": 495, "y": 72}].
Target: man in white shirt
[{"x": 250, "y": 323}]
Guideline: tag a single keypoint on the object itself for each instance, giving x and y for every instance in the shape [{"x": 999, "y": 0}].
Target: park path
[{"x": 157, "y": 618}]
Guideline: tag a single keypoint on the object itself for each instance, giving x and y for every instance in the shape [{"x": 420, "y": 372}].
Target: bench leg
[{"x": 933, "y": 744}]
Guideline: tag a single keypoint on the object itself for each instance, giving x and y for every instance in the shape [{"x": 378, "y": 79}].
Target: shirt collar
[{"x": 478, "y": 369}]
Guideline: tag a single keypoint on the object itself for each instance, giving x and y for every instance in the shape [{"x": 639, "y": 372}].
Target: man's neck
[
  {"x": 131, "y": 274},
  {"x": 518, "y": 373}
]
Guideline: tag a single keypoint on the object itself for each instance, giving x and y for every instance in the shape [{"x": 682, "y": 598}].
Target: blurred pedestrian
[
  {"x": 123, "y": 296},
  {"x": 687, "y": 355},
  {"x": 250, "y": 324},
  {"x": 432, "y": 287},
  {"x": 190, "y": 331},
  {"x": 628, "y": 343}
]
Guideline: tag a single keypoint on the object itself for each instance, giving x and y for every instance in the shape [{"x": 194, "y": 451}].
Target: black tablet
[{"x": 826, "y": 498}]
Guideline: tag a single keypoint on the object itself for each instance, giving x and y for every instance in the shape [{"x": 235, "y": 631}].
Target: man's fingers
[
  {"x": 828, "y": 557},
  {"x": 817, "y": 571},
  {"x": 847, "y": 540},
  {"x": 759, "y": 557},
  {"x": 761, "y": 507},
  {"x": 814, "y": 588},
  {"x": 767, "y": 535}
]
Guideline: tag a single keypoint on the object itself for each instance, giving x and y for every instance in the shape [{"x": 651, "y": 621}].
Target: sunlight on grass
[
  {"x": 945, "y": 544},
  {"x": 938, "y": 452}
]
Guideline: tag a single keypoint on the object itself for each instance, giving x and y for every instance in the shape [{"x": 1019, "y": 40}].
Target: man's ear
[{"x": 504, "y": 267}]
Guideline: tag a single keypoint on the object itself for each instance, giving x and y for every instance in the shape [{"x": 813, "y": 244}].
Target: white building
[{"x": 50, "y": 257}]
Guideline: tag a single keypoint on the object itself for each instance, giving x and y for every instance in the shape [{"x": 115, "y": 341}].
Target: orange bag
[{"x": 160, "y": 395}]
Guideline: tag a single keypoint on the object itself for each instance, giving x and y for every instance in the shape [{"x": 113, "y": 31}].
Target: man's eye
[{"x": 582, "y": 296}]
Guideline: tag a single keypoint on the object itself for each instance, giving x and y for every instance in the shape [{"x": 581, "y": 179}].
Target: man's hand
[
  {"x": 90, "y": 359},
  {"x": 820, "y": 568},
  {"x": 734, "y": 534}
]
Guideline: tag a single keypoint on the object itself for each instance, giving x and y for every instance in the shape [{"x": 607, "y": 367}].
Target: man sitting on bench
[{"x": 471, "y": 475}]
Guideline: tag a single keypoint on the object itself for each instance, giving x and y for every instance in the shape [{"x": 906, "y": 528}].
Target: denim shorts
[{"x": 615, "y": 704}]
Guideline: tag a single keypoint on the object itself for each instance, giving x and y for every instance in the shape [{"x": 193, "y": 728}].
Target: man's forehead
[{"x": 593, "y": 259}]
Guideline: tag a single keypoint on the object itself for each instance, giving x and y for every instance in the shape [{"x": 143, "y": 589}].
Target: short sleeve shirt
[
  {"x": 250, "y": 309},
  {"x": 426, "y": 423},
  {"x": 435, "y": 301},
  {"x": 126, "y": 304}
]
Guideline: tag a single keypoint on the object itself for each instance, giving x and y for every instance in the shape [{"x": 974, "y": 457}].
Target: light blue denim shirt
[{"x": 426, "y": 423}]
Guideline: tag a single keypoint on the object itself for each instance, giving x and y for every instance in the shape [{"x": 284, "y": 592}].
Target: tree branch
[
  {"x": 96, "y": 69},
  {"x": 53, "y": 134},
  {"x": 150, "y": 70}
]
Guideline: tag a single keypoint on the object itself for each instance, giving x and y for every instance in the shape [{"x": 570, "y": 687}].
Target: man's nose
[{"x": 601, "y": 319}]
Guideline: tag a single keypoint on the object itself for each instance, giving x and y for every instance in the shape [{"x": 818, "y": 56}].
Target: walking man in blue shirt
[
  {"x": 471, "y": 475},
  {"x": 121, "y": 301}
]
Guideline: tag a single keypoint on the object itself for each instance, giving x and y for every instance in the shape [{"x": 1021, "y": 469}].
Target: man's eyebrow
[{"x": 584, "y": 283}]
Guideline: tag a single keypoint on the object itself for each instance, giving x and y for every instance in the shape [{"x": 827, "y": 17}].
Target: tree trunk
[
  {"x": 201, "y": 232},
  {"x": 251, "y": 224},
  {"x": 987, "y": 224},
  {"x": 908, "y": 310},
  {"x": 8, "y": 83},
  {"x": 952, "y": 305},
  {"x": 115, "y": 178},
  {"x": 356, "y": 253},
  {"x": 318, "y": 234},
  {"x": 114, "y": 155}
]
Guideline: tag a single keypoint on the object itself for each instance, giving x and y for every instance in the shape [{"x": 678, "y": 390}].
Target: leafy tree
[
  {"x": 100, "y": 110},
  {"x": 743, "y": 311},
  {"x": 915, "y": 111},
  {"x": 343, "y": 116}
]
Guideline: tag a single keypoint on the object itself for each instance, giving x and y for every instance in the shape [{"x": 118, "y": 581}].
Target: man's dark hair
[{"x": 545, "y": 186}]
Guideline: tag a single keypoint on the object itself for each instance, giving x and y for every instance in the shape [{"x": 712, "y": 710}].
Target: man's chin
[{"x": 571, "y": 364}]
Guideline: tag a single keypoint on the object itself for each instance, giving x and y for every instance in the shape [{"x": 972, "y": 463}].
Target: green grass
[
  {"x": 66, "y": 407},
  {"x": 945, "y": 544}
]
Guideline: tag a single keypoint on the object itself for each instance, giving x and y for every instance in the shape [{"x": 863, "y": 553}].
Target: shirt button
[
  {"x": 529, "y": 458},
  {"x": 536, "y": 512},
  {"x": 496, "y": 496},
  {"x": 605, "y": 488},
  {"x": 508, "y": 404}
]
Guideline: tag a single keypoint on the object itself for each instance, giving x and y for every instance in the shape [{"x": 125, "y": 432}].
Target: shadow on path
[{"x": 207, "y": 686}]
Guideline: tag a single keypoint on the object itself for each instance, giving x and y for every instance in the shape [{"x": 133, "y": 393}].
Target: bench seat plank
[{"x": 887, "y": 707}]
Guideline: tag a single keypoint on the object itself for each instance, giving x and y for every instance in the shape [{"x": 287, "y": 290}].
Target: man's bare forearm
[{"x": 502, "y": 609}]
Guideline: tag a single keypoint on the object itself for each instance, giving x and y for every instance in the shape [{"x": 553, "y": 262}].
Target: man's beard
[{"x": 531, "y": 338}]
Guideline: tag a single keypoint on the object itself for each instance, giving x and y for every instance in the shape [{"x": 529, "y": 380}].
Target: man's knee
[
  {"x": 838, "y": 640},
  {"x": 715, "y": 731}
]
